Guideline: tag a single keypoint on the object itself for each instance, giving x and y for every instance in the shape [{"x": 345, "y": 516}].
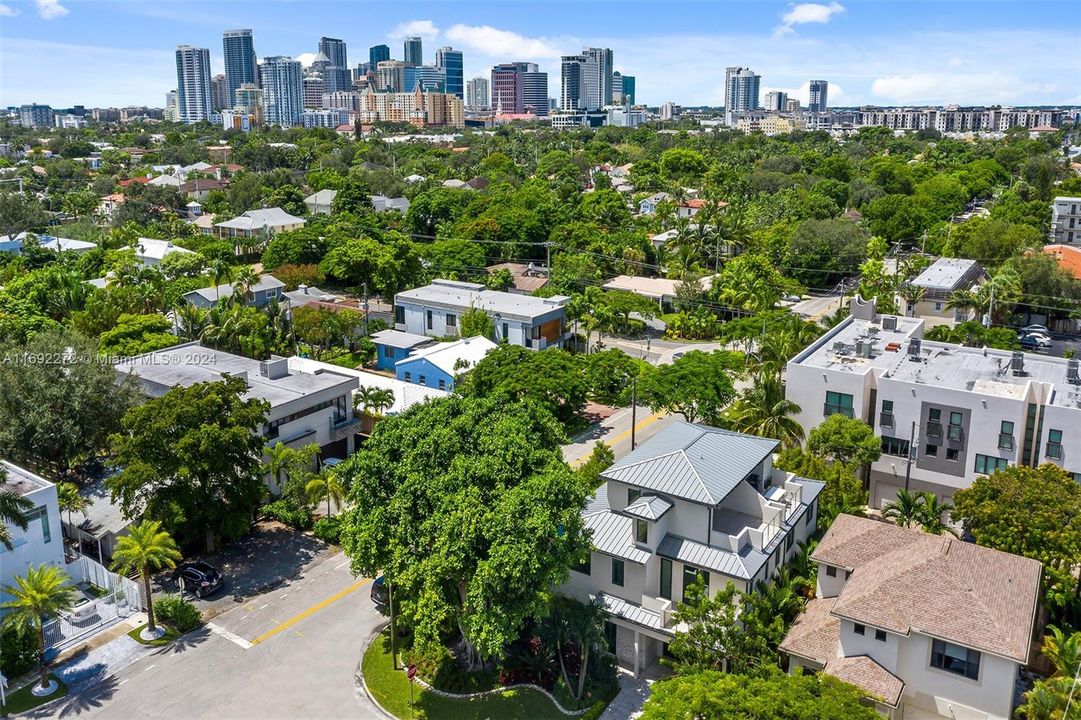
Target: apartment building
[
  {"x": 1066, "y": 220},
  {"x": 313, "y": 406},
  {"x": 939, "y": 281},
  {"x": 436, "y": 310},
  {"x": 691, "y": 502},
  {"x": 961, "y": 412},
  {"x": 927, "y": 626}
]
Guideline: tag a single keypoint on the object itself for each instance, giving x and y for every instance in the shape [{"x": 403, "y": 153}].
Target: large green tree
[
  {"x": 192, "y": 459},
  {"x": 467, "y": 507},
  {"x": 845, "y": 440},
  {"x": 697, "y": 385}
]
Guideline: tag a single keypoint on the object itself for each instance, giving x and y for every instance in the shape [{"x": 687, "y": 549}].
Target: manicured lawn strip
[
  {"x": 24, "y": 699},
  {"x": 391, "y": 688},
  {"x": 165, "y": 639}
]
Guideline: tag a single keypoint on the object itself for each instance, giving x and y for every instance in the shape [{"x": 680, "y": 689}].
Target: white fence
[{"x": 122, "y": 597}]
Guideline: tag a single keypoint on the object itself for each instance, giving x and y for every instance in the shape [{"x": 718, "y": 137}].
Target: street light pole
[
  {"x": 911, "y": 454},
  {"x": 634, "y": 407}
]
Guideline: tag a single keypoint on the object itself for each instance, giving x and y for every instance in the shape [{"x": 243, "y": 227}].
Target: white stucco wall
[{"x": 30, "y": 547}]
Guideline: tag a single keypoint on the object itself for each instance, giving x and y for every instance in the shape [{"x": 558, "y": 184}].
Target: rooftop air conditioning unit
[
  {"x": 1072, "y": 375},
  {"x": 889, "y": 322},
  {"x": 914, "y": 347},
  {"x": 1017, "y": 364}
]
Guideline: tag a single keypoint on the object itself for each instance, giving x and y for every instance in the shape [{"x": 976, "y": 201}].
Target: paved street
[
  {"x": 289, "y": 653},
  {"x": 616, "y": 432}
]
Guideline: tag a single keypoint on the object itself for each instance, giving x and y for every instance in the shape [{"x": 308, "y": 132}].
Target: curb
[{"x": 362, "y": 687}]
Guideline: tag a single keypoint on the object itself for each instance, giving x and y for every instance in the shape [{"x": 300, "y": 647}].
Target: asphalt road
[
  {"x": 288, "y": 653},
  {"x": 615, "y": 431}
]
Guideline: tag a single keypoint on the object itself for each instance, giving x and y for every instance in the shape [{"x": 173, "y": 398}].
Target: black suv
[{"x": 198, "y": 578}]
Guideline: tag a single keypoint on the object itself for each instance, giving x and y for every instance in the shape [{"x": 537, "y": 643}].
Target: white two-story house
[
  {"x": 41, "y": 543},
  {"x": 692, "y": 501},
  {"x": 928, "y": 626}
]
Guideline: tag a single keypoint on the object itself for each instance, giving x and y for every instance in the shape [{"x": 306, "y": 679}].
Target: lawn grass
[
  {"x": 390, "y": 688},
  {"x": 24, "y": 699},
  {"x": 347, "y": 360},
  {"x": 165, "y": 639}
]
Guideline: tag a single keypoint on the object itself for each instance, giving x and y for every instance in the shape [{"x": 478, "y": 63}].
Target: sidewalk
[
  {"x": 87, "y": 668},
  {"x": 633, "y": 693}
]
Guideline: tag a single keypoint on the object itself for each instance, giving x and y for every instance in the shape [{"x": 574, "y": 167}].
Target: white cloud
[
  {"x": 988, "y": 86},
  {"x": 802, "y": 13},
  {"x": 8, "y": 11},
  {"x": 424, "y": 28},
  {"x": 488, "y": 40},
  {"x": 50, "y": 9},
  {"x": 306, "y": 58}
]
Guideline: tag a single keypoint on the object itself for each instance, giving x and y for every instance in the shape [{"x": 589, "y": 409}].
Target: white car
[{"x": 1042, "y": 329}]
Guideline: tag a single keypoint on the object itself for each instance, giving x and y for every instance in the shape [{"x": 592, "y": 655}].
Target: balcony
[
  {"x": 886, "y": 419},
  {"x": 934, "y": 429},
  {"x": 1005, "y": 441},
  {"x": 832, "y": 409},
  {"x": 955, "y": 433},
  {"x": 1054, "y": 450},
  {"x": 661, "y": 607}
]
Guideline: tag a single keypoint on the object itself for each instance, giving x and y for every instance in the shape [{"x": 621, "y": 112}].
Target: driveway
[
  {"x": 288, "y": 653},
  {"x": 267, "y": 558}
]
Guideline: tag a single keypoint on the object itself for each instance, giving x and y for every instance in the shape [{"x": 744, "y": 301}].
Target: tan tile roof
[
  {"x": 866, "y": 674},
  {"x": 816, "y": 634},
  {"x": 904, "y": 580}
]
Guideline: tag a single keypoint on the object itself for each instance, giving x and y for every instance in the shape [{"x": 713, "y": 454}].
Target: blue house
[
  {"x": 394, "y": 345},
  {"x": 437, "y": 366}
]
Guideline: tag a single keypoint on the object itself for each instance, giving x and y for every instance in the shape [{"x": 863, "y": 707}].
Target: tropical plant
[
  {"x": 906, "y": 510},
  {"x": 42, "y": 593},
  {"x": 13, "y": 509},
  {"x": 932, "y": 514},
  {"x": 373, "y": 401},
  {"x": 145, "y": 549},
  {"x": 71, "y": 500},
  {"x": 763, "y": 410},
  {"x": 325, "y": 485}
]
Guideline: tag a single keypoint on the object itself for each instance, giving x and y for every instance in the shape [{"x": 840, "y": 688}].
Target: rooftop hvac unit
[
  {"x": 864, "y": 347},
  {"x": 839, "y": 347},
  {"x": 914, "y": 347},
  {"x": 1017, "y": 363},
  {"x": 1072, "y": 373},
  {"x": 889, "y": 322}
]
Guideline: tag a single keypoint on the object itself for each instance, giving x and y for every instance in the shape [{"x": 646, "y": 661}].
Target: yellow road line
[
  {"x": 311, "y": 611},
  {"x": 610, "y": 442}
]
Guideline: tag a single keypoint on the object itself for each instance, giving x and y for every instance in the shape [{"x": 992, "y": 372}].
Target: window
[
  {"x": 858, "y": 629},
  {"x": 934, "y": 422},
  {"x": 399, "y": 314},
  {"x": 831, "y": 571},
  {"x": 422, "y": 380},
  {"x": 1005, "y": 435},
  {"x": 955, "y": 659},
  {"x": 452, "y": 320},
  {"x": 895, "y": 446},
  {"x": 506, "y": 331},
  {"x": 985, "y": 464},
  {"x": 956, "y": 432},
  {"x": 632, "y": 495},
  {"x": 407, "y": 378},
  {"x": 442, "y": 384},
  {"x": 274, "y": 426},
  {"x": 952, "y": 454},
  {"x": 586, "y": 567},
  {"x": 788, "y": 542},
  {"x": 931, "y": 451},
  {"x": 41, "y": 513},
  {"x": 429, "y": 319},
  {"x": 641, "y": 531},
  {"x": 1054, "y": 444},
  {"x": 690, "y": 577},
  {"x": 617, "y": 572},
  {"x": 880, "y": 635},
  {"x": 886, "y": 419},
  {"x": 838, "y": 403},
  {"x": 388, "y": 351},
  {"x": 666, "y": 579}
]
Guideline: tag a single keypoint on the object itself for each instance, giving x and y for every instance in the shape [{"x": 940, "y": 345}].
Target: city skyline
[{"x": 864, "y": 50}]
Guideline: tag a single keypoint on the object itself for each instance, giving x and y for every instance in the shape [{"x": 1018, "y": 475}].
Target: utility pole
[
  {"x": 365, "y": 308},
  {"x": 911, "y": 454},
  {"x": 634, "y": 407},
  {"x": 987, "y": 321},
  {"x": 548, "y": 255},
  {"x": 393, "y": 629}
]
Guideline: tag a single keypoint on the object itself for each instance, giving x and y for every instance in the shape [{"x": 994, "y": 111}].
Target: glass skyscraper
[
  {"x": 414, "y": 52},
  {"x": 450, "y": 61},
  {"x": 283, "y": 90},
  {"x": 195, "y": 99},
  {"x": 377, "y": 54},
  {"x": 240, "y": 64}
]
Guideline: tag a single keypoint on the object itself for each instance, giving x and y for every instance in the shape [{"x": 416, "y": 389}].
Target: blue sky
[{"x": 922, "y": 51}]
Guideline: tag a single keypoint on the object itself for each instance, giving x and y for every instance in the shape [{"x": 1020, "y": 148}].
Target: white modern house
[
  {"x": 42, "y": 542},
  {"x": 939, "y": 281},
  {"x": 692, "y": 501},
  {"x": 1066, "y": 220},
  {"x": 306, "y": 406},
  {"x": 436, "y": 310},
  {"x": 151, "y": 252},
  {"x": 970, "y": 411},
  {"x": 928, "y": 626}
]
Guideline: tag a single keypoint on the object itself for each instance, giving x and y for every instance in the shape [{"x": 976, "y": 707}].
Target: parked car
[
  {"x": 1035, "y": 342},
  {"x": 380, "y": 595},
  {"x": 198, "y": 578},
  {"x": 1036, "y": 328},
  {"x": 1034, "y": 333}
]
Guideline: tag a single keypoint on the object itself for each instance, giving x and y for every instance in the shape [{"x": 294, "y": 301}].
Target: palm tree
[
  {"x": 778, "y": 598},
  {"x": 279, "y": 460},
  {"x": 911, "y": 294},
  {"x": 763, "y": 410},
  {"x": 219, "y": 270},
  {"x": 373, "y": 401},
  {"x": 325, "y": 485},
  {"x": 804, "y": 568},
  {"x": 13, "y": 509},
  {"x": 146, "y": 549},
  {"x": 907, "y": 510},
  {"x": 191, "y": 321},
  {"x": 1063, "y": 650},
  {"x": 244, "y": 280},
  {"x": 964, "y": 301},
  {"x": 845, "y": 504},
  {"x": 71, "y": 500},
  {"x": 44, "y": 592},
  {"x": 932, "y": 513}
]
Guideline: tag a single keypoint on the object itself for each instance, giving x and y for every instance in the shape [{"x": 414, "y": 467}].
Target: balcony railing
[
  {"x": 934, "y": 429},
  {"x": 1054, "y": 450},
  {"x": 1005, "y": 441},
  {"x": 956, "y": 432},
  {"x": 834, "y": 409},
  {"x": 886, "y": 419}
]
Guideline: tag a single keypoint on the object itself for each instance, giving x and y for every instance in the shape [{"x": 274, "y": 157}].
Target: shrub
[
  {"x": 178, "y": 613},
  {"x": 328, "y": 529},
  {"x": 285, "y": 512},
  {"x": 18, "y": 650}
]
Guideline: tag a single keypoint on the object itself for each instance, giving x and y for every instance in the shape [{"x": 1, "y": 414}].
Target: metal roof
[
  {"x": 694, "y": 462},
  {"x": 400, "y": 339},
  {"x": 613, "y": 535},
  {"x": 703, "y": 556},
  {"x": 947, "y": 273},
  {"x": 632, "y": 613},
  {"x": 648, "y": 507}
]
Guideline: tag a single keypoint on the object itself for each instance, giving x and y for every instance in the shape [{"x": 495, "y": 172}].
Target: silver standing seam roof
[
  {"x": 648, "y": 507},
  {"x": 613, "y": 535},
  {"x": 693, "y": 462}
]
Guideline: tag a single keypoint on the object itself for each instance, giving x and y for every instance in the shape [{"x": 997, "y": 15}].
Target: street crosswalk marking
[{"x": 228, "y": 635}]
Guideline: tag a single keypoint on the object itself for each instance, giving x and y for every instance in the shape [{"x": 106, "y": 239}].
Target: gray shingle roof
[
  {"x": 694, "y": 462},
  {"x": 613, "y": 535},
  {"x": 648, "y": 507}
]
